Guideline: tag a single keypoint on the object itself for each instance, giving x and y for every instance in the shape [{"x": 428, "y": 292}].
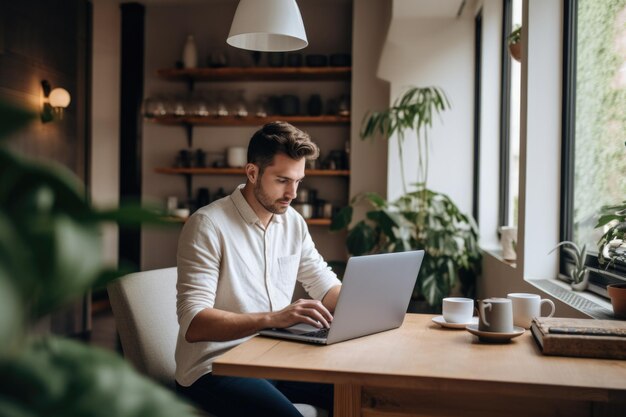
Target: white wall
[
  {"x": 434, "y": 51},
  {"x": 369, "y": 158},
  {"x": 105, "y": 113},
  {"x": 489, "y": 171}
]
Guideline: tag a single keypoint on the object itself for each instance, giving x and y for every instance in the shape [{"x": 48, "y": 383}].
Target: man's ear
[{"x": 252, "y": 172}]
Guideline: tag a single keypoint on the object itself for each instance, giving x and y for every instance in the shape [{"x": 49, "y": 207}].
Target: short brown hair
[{"x": 280, "y": 137}]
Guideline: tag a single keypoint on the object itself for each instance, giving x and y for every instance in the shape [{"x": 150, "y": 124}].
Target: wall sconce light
[{"x": 54, "y": 102}]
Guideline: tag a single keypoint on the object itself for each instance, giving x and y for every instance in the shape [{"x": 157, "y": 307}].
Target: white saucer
[
  {"x": 495, "y": 337},
  {"x": 443, "y": 323}
]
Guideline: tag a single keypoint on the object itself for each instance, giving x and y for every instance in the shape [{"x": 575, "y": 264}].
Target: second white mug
[{"x": 526, "y": 306}]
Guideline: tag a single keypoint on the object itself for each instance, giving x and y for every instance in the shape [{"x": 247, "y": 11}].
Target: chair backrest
[{"x": 144, "y": 306}]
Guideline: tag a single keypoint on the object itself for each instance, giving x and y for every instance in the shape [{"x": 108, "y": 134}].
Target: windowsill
[
  {"x": 496, "y": 253},
  {"x": 587, "y": 303}
]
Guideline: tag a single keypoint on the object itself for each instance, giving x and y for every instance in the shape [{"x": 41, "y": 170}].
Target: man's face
[{"x": 278, "y": 184}]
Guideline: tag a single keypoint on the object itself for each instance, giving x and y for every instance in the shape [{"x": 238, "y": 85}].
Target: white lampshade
[
  {"x": 59, "y": 97},
  {"x": 267, "y": 25}
]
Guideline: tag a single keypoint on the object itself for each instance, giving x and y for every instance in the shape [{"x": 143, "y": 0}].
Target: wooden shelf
[
  {"x": 318, "y": 222},
  {"x": 256, "y": 74},
  {"x": 310, "y": 222},
  {"x": 248, "y": 121},
  {"x": 240, "y": 171}
]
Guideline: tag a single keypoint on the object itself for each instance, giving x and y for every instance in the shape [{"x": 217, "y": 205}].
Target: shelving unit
[
  {"x": 240, "y": 171},
  {"x": 189, "y": 172},
  {"x": 193, "y": 75},
  {"x": 238, "y": 74},
  {"x": 248, "y": 121}
]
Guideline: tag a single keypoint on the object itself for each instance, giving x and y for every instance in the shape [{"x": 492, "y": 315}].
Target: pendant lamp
[{"x": 268, "y": 26}]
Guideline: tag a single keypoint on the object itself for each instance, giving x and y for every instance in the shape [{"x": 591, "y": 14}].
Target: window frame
[
  {"x": 505, "y": 113},
  {"x": 599, "y": 277},
  {"x": 478, "y": 73}
]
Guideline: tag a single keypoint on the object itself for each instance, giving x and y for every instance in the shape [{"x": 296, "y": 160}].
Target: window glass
[
  {"x": 600, "y": 114},
  {"x": 514, "y": 124}
]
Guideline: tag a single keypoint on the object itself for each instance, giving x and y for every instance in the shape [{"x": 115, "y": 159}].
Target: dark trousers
[{"x": 225, "y": 396}]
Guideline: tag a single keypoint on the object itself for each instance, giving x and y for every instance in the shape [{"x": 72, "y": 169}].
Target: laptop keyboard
[{"x": 318, "y": 333}]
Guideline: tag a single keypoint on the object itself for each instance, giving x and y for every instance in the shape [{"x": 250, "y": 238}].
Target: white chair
[{"x": 144, "y": 307}]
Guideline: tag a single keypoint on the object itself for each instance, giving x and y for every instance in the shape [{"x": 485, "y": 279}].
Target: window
[
  {"x": 594, "y": 122},
  {"x": 510, "y": 118}
]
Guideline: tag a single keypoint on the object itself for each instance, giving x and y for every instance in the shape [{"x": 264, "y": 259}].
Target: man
[{"x": 238, "y": 262}]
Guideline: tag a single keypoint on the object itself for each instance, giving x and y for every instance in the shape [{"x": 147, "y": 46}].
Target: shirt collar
[{"x": 246, "y": 212}]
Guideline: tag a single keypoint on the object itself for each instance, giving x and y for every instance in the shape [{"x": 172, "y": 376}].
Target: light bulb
[{"x": 59, "y": 97}]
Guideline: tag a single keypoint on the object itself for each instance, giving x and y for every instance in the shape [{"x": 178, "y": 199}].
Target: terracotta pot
[
  {"x": 617, "y": 293},
  {"x": 516, "y": 51}
]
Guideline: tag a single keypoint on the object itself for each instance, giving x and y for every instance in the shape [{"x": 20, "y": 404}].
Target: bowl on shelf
[
  {"x": 305, "y": 209},
  {"x": 316, "y": 60},
  {"x": 617, "y": 293}
]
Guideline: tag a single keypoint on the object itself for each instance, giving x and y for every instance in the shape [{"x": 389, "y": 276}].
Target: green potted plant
[
  {"x": 421, "y": 218},
  {"x": 578, "y": 272},
  {"x": 612, "y": 244},
  {"x": 49, "y": 255},
  {"x": 612, "y": 249},
  {"x": 514, "y": 41}
]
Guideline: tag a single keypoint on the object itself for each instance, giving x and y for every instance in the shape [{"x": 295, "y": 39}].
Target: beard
[{"x": 273, "y": 206}]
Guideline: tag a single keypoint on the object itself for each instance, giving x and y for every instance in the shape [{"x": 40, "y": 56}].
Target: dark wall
[
  {"x": 50, "y": 39},
  {"x": 47, "y": 39}
]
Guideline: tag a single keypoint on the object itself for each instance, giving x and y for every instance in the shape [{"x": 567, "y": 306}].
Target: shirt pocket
[{"x": 286, "y": 274}]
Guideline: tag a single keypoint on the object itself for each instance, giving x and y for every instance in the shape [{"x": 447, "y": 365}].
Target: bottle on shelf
[{"x": 190, "y": 53}]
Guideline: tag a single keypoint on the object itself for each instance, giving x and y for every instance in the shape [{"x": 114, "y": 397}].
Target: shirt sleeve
[
  {"x": 198, "y": 261},
  {"x": 314, "y": 273}
]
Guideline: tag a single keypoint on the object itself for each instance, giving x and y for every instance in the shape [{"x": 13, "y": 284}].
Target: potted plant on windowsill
[
  {"x": 514, "y": 42},
  {"x": 612, "y": 249},
  {"x": 578, "y": 272},
  {"x": 420, "y": 218}
]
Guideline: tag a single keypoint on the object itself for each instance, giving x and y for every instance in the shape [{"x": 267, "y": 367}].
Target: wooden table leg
[{"x": 347, "y": 400}]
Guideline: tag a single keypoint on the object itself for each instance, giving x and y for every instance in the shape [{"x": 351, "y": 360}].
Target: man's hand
[
  {"x": 310, "y": 312},
  {"x": 216, "y": 325}
]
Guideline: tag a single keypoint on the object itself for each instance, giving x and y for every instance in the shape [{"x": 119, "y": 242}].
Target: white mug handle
[
  {"x": 545, "y": 300},
  {"x": 481, "y": 309}
]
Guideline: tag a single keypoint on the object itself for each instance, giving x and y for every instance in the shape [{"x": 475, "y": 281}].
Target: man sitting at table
[{"x": 238, "y": 262}]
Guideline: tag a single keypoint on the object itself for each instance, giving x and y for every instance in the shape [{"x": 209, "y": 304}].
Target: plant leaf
[
  {"x": 65, "y": 378},
  {"x": 342, "y": 219},
  {"x": 361, "y": 239}
]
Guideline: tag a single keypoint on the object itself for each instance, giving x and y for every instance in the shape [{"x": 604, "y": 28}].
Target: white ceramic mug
[
  {"x": 495, "y": 315},
  {"x": 457, "y": 309},
  {"x": 236, "y": 156},
  {"x": 508, "y": 240},
  {"x": 526, "y": 306}
]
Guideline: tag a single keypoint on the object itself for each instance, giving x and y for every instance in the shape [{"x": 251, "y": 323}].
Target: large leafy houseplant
[
  {"x": 421, "y": 218},
  {"x": 49, "y": 255}
]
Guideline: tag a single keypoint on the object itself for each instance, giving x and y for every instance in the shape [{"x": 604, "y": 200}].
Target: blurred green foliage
[{"x": 50, "y": 254}]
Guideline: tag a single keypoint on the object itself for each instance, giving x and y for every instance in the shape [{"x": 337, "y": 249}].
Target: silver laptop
[{"x": 374, "y": 297}]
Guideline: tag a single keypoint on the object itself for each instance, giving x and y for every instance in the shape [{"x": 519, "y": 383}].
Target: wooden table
[{"x": 421, "y": 369}]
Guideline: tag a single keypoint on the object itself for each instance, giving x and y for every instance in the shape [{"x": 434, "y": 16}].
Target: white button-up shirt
[{"x": 228, "y": 261}]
